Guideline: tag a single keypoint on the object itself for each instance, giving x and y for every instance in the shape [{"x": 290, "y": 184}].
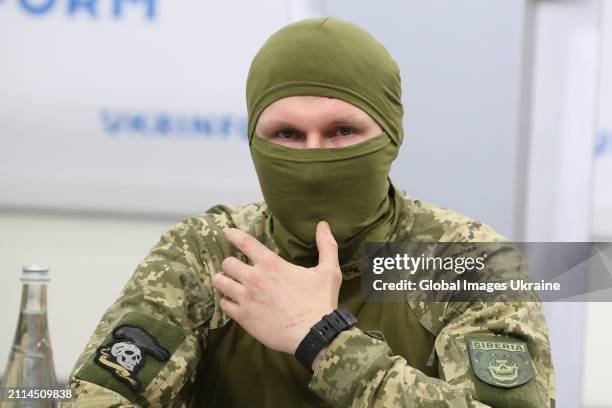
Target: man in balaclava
[{"x": 261, "y": 305}]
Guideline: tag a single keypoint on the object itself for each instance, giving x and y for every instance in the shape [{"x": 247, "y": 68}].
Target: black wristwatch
[{"x": 322, "y": 333}]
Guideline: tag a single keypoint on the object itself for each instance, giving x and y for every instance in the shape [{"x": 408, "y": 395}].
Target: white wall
[
  {"x": 596, "y": 392},
  {"x": 602, "y": 200},
  {"x": 561, "y": 114},
  {"x": 598, "y": 331}
]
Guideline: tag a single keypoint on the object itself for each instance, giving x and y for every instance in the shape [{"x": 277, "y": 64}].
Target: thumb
[{"x": 327, "y": 246}]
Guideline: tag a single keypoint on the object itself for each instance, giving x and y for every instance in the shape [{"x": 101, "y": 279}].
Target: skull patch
[
  {"x": 501, "y": 361},
  {"x": 502, "y": 367},
  {"x": 126, "y": 355}
]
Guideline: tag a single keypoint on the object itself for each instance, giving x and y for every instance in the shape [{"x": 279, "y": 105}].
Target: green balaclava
[{"x": 347, "y": 186}]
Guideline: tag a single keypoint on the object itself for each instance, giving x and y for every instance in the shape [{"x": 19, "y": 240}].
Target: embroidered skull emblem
[
  {"x": 127, "y": 354},
  {"x": 503, "y": 368}
]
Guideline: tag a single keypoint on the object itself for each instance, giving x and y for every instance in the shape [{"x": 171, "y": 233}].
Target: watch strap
[{"x": 321, "y": 334}]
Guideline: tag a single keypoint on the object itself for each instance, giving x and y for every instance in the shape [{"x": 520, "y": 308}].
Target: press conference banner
[{"x": 128, "y": 105}]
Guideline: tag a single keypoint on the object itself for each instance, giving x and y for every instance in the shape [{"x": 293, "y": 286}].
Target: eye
[
  {"x": 286, "y": 134},
  {"x": 345, "y": 131}
]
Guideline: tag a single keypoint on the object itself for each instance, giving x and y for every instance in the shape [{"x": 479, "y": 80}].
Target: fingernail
[{"x": 327, "y": 229}]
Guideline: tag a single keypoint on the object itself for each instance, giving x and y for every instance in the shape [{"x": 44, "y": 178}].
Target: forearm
[
  {"x": 358, "y": 370},
  {"x": 361, "y": 371}
]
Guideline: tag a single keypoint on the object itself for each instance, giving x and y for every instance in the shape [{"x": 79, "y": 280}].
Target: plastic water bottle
[{"x": 30, "y": 374}]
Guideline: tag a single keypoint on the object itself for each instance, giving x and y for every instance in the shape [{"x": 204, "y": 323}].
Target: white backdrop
[
  {"x": 602, "y": 187},
  {"x": 128, "y": 105}
]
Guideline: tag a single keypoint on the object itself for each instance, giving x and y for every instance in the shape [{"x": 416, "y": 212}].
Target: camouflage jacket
[{"x": 170, "y": 308}]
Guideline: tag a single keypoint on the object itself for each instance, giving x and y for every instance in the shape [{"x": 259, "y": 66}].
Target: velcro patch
[
  {"x": 133, "y": 353},
  {"x": 500, "y": 360}
]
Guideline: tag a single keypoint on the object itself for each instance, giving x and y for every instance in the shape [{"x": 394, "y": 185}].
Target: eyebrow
[
  {"x": 338, "y": 121},
  {"x": 347, "y": 118},
  {"x": 277, "y": 124}
]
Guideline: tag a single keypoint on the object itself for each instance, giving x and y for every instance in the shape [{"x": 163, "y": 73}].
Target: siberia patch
[
  {"x": 500, "y": 361},
  {"x": 135, "y": 351}
]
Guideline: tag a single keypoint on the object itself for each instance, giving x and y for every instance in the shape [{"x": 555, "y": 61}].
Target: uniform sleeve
[
  {"x": 145, "y": 349},
  {"x": 490, "y": 353},
  {"x": 358, "y": 370}
]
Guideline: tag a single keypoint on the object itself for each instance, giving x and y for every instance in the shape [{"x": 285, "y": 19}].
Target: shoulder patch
[
  {"x": 125, "y": 355},
  {"x": 137, "y": 348},
  {"x": 500, "y": 361}
]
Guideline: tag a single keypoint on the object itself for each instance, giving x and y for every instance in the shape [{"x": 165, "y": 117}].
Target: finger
[
  {"x": 231, "y": 308},
  {"x": 327, "y": 246},
  {"x": 250, "y": 246},
  {"x": 235, "y": 269},
  {"x": 228, "y": 287}
]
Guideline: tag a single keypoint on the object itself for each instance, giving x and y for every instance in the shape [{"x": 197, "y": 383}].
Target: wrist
[
  {"x": 301, "y": 330},
  {"x": 321, "y": 334}
]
